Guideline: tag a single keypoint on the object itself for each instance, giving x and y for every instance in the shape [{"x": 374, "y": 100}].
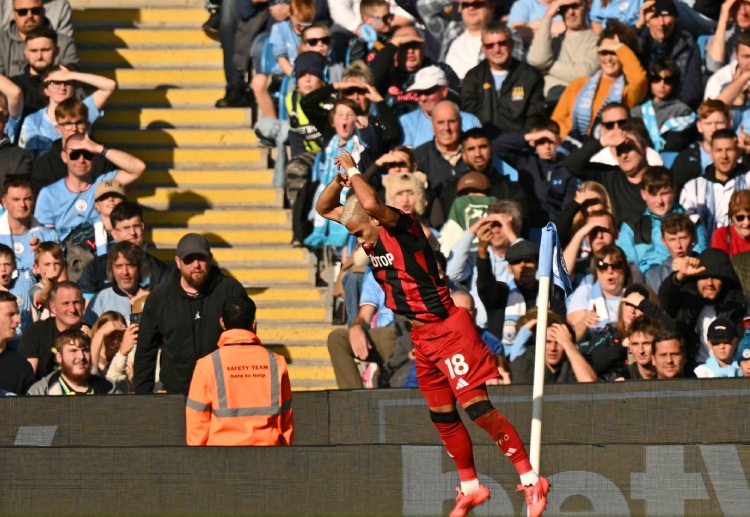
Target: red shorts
[{"x": 451, "y": 358}]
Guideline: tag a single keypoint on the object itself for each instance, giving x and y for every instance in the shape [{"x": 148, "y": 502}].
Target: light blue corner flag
[{"x": 551, "y": 261}]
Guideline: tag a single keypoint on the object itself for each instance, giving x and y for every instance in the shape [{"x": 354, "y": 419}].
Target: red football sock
[
  {"x": 458, "y": 444},
  {"x": 505, "y": 436}
]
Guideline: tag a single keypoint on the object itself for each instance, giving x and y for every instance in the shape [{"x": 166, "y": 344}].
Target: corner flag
[{"x": 551, "y": 261}]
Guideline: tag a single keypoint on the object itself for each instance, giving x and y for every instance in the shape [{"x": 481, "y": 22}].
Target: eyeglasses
[
  {"x": 132, "y": 228},
  {"x": 611, "y": 124},
  {"x": 75, "y": 155},
  {"x": 604, "y": 266},
  {"x": 499, "y": 44},
  {"x": 80, "y": 125},
  {"x": 656, "y": 78},
  {"x": 606, "y": 53},
  {"x": 313, "y": 42},
  {"x": 59, "y": 83},
  {"x": 193, "y": 257},
  {"x": 387, "y": 19},
  {"x": 35, "y": 11},
  {"x": 472, "y": 5},
  {"x": 394, "y": 165},
  {"x": 740, "y": 217}
]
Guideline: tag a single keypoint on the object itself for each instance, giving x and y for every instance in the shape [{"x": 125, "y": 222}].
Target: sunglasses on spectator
[
  {"x": 656, "y": 78},
  {"x": 59, "y": 83},
  {"x": 498, "y": 44},
  {"x": 606, "y": 53},
  {"x": 36, "y": 11},
  {"x": 353, "y": 91},
  {"x": 625, "y": 148},
  {"x": 740, "y": 217},
  {"x": 75, "y": 155},
  {"x": 615, "y": 266},
  {"x": 613, "y": 123},
  {"x": 393, "y": 165},
  {"x": 571, "y": 6},
  {"x": 472, "y": 5},
  {"x": 80, "y": 125},
  {"x": 628, "y": 304},
  {"x": 313, "y": 42},
  {"x": 430, "y": 91},
  {"x": 387, "y": 19}
]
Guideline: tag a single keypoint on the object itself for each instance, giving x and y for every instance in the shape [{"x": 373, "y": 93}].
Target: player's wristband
[{"x": 352, "y": 171}]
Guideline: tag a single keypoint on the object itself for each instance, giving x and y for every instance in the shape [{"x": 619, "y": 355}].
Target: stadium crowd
[{"x": 622, "y": 122}]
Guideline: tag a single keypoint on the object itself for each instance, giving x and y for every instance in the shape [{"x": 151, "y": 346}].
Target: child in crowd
[
  {"x": 285, "y": 41},
  {"x": 722, "y": 335},
  {"x": 49, "y": 268},
  {"x": 743, "y": 355},
  {"x": 640, "y": 238},
  {"x": 17, "y": 285},
  {"x": 678, "y": 235},
  {"x": 38, "y": 130},
  {"x": 670, "y": 122},
  {"x": 374, "y": 32},
  {"x": 108, "y": 195}
]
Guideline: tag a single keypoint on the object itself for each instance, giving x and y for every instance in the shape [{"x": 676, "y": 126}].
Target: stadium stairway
[{"x": 206, "y": 173}]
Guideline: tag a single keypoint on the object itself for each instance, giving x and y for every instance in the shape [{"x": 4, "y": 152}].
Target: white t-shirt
[
  {"x": 464, "y": 53},
  {"x": 705, "y": 318}
]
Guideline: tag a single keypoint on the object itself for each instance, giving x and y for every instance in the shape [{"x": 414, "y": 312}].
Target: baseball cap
[
  {"x": 109, "y": 187},
  {"x": 721, "y": 330},
  {"x": 665, "y": 8},
  {"x": 311, "y": 62},
  {"x": 193, "y": 244},
  {"x": 428, "y": 77},
  {"x": 473, "y": 181},
  {"x": 522, "y": 250}
]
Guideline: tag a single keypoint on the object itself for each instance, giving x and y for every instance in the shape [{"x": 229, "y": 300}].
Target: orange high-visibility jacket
[{"x": 240, "y": 395}]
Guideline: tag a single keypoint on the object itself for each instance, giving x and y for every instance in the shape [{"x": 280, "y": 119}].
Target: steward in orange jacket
[{"x": 240, "y": 394}]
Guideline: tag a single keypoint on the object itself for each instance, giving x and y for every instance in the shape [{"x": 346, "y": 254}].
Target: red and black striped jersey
[{"x": 405, "y": 267}]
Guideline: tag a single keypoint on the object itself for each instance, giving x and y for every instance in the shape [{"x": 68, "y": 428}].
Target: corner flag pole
[{"x": 551, "y": 268}]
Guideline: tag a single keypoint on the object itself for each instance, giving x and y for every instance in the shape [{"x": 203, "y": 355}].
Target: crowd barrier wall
[{"x": 677, "y": 448}]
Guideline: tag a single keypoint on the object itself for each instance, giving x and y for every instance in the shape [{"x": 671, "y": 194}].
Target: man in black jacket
[
  {"x": 700, "y": 290},
  {"x": 182, "y": 318},
  {"x": 505, "y": 93},
  {"x": 660, "y": 38}
]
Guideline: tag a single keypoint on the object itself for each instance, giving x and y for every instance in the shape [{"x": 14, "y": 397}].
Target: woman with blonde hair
[{"x": 113, "y": 349}]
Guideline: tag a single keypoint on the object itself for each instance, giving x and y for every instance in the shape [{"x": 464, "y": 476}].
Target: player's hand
[{"x": 344, "y": 161}]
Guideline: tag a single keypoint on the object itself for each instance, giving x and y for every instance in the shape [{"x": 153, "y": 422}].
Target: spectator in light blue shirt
[
  {"x": 431, "y": 86},
  {"x": 69, "y": 203},
  {"x": 39, "y": 128}
]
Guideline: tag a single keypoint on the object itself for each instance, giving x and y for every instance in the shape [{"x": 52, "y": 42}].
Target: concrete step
[
  {"x": 135, "y": 17},
  {"x": 153, "y": 118},
  {"x": 168, "y": 237},
  {"x": 92, "y": 38},
  {"x": 292, "y": 314},
  {"x": 288, "y": 295},
  {"x": 197, "y": 220},
  {"x": 188, "y": 178},
  {"x": 274, "y": 253},
  {"x": 166, "y": 98},
  {"x": 105, "y": 4},
  {"x": 151, "y": 58},
  {"x": 196, "y": 157},
  {"x": 163, "y": 198},
  {"x": 299, "y": 333},
  {"x": 179, "y": 74},
  {"x": 168, "y": 137},
  {"x": 299, "y": 353}
]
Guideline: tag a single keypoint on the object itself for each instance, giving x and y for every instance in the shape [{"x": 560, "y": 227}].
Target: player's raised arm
[
  {"x": 367, "y": 195},
  {"x": 329, "y": 203}
]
